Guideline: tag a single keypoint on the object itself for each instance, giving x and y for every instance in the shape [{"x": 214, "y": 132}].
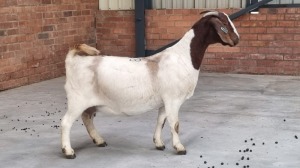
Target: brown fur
[
  {"x": 206, "y": 33},
  {"x": 85, "y": 50},
  {"x": 177, "y": 127},
  {"x": 152, "y": 65}
]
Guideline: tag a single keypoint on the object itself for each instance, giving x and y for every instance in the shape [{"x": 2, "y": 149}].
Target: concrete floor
[{"x": 230, "y": 119}]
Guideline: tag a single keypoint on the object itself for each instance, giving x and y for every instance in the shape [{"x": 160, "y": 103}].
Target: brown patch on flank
[
  {"x": 93, "y": 67},
  {"x": 152, "y": 65},
  {"x": 177, "y": 127}
]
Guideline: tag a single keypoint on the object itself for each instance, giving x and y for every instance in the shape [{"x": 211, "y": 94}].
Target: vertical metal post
[
  {"x": 253, "y": 1},
  {"x": 139, "y": 28}
]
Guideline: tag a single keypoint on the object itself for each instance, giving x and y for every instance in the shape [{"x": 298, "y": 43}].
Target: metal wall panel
[
  {"x": 126, "y": 4},
  {"x": 211, "y": 4},
  {"x": 177, "y": 4},
  {"x": 116, "y": 4},
  {"x": 166, "y": 4},
  {"x": 188, "y": 4},
  {"x": 274, "y": 2},
  {"x": 236, "y": 3},
  {"x": 223, "y": 4},
  {"x": 113, "y": 4},
  {"x": 199, "y": 4},
  {"x": 243, "y": 5},
  {"x": 103, "y": 4},
  {"x": 286, "y": 2},
  {"x": 156, "y": 4}
]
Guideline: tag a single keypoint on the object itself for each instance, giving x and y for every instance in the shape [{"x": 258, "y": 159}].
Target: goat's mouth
[{"x": 233, "y": 42}]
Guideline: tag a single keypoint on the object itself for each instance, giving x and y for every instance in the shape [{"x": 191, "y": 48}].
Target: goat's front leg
[
  {"x": 172, "y": 109},
  {"x": 161, "y": 119},
  {"x": 87, "y": 118}
]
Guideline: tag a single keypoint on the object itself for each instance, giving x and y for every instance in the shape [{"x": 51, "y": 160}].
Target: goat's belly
[{"x": 132, "y": 106}]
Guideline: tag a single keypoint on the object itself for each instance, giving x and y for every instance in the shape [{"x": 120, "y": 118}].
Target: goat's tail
[{"x": 83, "y": 50}]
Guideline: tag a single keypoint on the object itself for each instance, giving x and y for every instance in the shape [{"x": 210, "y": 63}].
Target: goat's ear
[{"x": 221, "y": 29}]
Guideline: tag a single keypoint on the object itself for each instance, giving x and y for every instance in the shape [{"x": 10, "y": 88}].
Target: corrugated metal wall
[{"x": 183, "y": 4}]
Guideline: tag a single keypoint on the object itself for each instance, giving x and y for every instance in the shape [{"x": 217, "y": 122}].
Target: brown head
[{"x": 213, "y": 27}]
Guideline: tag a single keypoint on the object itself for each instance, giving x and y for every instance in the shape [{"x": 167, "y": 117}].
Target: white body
[
  {"x": 130, "y": 86},
  {"x": 127, "y": 85}
]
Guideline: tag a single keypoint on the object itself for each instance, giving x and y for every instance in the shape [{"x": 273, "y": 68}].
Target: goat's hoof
[
  {"x": 71, "y": 156},
  {"x": 161, "y": 148},
  {"x": 68, "y": 156},
  {"x": 104, "y": 144},
  {"x": 181, "y": 152}
]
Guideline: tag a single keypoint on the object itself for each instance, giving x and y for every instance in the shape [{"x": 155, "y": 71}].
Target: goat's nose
[{"x": 236, "y": 40}]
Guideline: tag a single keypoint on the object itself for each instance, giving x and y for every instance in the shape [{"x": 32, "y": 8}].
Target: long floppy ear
[{"x": 221, "y": 29}]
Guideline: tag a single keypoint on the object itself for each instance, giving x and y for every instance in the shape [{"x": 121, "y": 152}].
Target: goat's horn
[{"x": 210, "y": 12}]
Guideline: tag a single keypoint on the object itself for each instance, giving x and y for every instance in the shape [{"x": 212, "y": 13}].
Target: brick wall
[
  {"x": 116, "y": 32},
  {"x": 269, "y": 42},
  {"x": 36, "y": 34}
]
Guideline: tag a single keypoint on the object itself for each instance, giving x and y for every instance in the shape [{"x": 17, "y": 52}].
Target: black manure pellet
[
  {"x": 200, "y": 156},
  {"x": 248, "y": 158},
  {"x": 253, "y": 144},
  {"x": 237, "y": 164},
  {"x": 242, "y": 158},
  {"x": 296, "y": 137},
  {"x": 276, "y": 142},
  {"x": 222, "y": 163},
  {"x": 205, "y": 162}
]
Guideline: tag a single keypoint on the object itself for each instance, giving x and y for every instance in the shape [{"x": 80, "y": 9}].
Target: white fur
[{"x": 127, "y": 86}]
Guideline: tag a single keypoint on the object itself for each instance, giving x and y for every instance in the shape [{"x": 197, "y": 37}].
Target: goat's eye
[{"x": 224, "y": 29}]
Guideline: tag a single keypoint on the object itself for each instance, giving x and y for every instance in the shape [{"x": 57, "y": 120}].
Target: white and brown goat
[{"x": 118, "y": 85}]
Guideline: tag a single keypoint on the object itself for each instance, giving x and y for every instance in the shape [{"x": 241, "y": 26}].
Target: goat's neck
[{"x": 193, "y": 47}]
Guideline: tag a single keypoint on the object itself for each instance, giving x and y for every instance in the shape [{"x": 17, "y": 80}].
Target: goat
[{"x": 119, "y": 85}]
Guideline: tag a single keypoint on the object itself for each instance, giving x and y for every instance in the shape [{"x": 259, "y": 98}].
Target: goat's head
[{"x": 220, "y": 28}]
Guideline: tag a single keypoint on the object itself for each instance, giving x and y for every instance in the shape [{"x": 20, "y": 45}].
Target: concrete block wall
[{"x": 35, "y": 36}]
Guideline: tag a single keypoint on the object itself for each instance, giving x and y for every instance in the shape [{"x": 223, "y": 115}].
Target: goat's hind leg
[
  {"x": 161, "y": 119},
  {"x": 74, "y": 111},
  {"x": 87, "y": 118}
]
